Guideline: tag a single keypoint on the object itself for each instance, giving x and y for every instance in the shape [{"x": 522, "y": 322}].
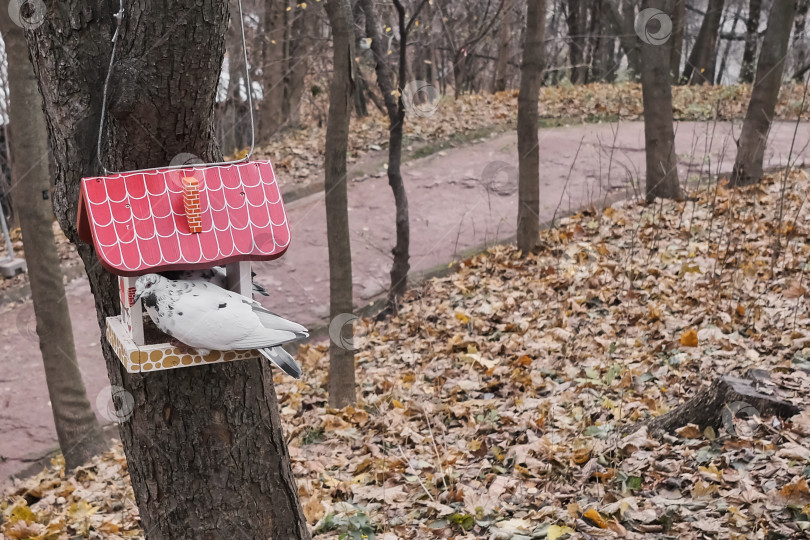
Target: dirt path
[{"x": 452, "y": 210}]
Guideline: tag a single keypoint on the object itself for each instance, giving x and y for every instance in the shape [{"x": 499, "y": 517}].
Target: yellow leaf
[
  {"x": 20, "y": 512},
  {"x": 82, "y": 510},
  {"x": 556, "y": 531},
  {"x": 462, "y": 317},
  {"x": 689, "y": 338}
]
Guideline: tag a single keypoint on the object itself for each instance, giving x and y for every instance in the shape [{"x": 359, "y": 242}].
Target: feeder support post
[{"x": 240, "y": 278}]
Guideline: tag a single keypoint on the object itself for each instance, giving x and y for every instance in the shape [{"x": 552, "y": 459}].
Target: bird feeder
[{"x": 194, "y": 218}]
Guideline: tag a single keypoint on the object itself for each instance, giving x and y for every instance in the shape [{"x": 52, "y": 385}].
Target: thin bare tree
[
  {"x": 528, "y": 220},
  {"x": 77, "y": 429},
  {"x": 341, "y": 358},
  {"x": 659, "y": 133},
  {"x": 395, "y": 107}
]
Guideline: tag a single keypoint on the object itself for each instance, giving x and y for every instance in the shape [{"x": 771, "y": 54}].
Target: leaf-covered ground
[{"x": 489, "y": 407}]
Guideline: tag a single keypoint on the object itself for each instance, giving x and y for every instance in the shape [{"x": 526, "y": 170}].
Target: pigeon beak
[{"x": 136, "y": 298}]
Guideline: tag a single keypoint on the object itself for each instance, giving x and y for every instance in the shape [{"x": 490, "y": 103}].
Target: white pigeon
[
  {"x": 206, "y": 317},
  {"x": 215, "y": 275}
]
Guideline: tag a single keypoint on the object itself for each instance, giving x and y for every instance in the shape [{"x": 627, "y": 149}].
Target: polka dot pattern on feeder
[{"x": 161, "y": 357}]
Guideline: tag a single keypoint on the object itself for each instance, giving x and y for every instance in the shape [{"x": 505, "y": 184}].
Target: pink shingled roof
[{"x": 137, "y": 222}]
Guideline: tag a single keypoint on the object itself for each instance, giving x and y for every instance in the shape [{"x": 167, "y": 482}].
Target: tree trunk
[
  {"x": 235, "y": 108},
  {"x": 396, "y": 118},
  {"x": 341, "y": 360},
  {"x": 273, "y": 42},
  {"x": 751, "y": 40},
  {"x": 799, "y": 39},
  {"x": 623, "y": 23},
  {"x": 528, "y": 222},
  {"x": 603, "y": 49},
  {"x": 300, "y": 44},
  {"x": 678, "y": 30},
  {"x": 576, "y": 17},
  {"x": 721, "y": 71},
  {"x": 659, "y": 135},
  {"x": 504, "y": 49},
  {"x": 77, "y": 429},
  {"x": 204, "y": 445},
  {"x": 717, "y": 405},
  {"x": 758, "y": 118},
  {"x": 700, "y": 66}
]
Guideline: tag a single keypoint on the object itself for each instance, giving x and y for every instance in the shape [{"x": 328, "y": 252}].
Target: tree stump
[{"x": 711, "y": 406}]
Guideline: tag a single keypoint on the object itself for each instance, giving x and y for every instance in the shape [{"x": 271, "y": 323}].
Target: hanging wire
[{"x": 249, "y": 90}]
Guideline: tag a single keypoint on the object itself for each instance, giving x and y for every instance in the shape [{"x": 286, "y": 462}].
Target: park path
[{"x": 455, "y": 205}]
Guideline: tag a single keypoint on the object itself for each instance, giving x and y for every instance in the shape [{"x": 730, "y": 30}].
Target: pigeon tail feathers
[{"x": 283, "y": 360}]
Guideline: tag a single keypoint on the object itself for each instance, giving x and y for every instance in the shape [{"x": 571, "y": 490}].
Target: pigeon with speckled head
[{"x": 206, "y": 317}]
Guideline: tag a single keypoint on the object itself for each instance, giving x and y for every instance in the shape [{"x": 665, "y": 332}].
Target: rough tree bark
[
  {"x": 659, "y": 134},
  {"x": 341, "y": 360},
  {"x": 204, "y": 445},
  {"x": 716, "y": 405},
  {"x": 77, "y": 429},
  {"x": 751, "y": 40},
  {"x": 759, "y": 116},
  {"x": 528, "y": 220},
  {"x": 700, "y": 66}
]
